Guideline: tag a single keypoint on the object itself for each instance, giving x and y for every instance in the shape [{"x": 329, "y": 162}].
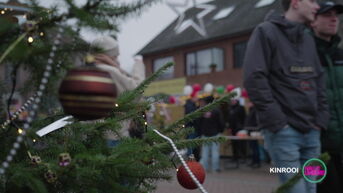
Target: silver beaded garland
[
  {"x": 35, "y": 107},
  {"x": 16, "y": 145},
  {"x": 41, "y": 87},
  {"x": 13, "y": 152},
  {"x": 20, "y": 138},
  {"x": 9, "y": 158},
  {"x": 5, "y": 164},
  {"x": 44, "y": 81},
  {"x": 195, "y": 180},
  {"x": 18, "y": 112},
  {"x": 35, "y": 100},
  {"x": 46, "y": 74}
]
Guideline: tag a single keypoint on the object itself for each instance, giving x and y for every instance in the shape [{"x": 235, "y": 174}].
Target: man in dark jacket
[
  {"x": 285, "y": 81},
  {"x": 190, "y": 107},
  {"x": 236, "y": 123},
  {"x": 211, "y": 124},
  {"x": 325, "y": 29},
  {"x": 251, "y": 122}
]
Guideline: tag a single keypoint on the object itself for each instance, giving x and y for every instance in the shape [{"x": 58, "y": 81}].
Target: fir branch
[
  {"x": 95, "y": 167},
  {"x": 26, "y": 178},
  {"x": 130, "y": 96},
  {"x": 147, "y": 175},
  {"x": 129, "y": 108},
  {"x": 88, "y": 6},
  {"x": 198, "y": 113},
  {"x": 183, "y": 132},
  {"x": 98, "y": 14},
  {"x": 109, "y": 10},
  {"x": 165, "y": 147},
  {"x": 12, "y": 46},
  {"x": 153, "y": 77},
  {"x": 120, "y": 10}
]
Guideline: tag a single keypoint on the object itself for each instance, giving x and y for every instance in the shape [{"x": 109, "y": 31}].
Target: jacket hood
[{"x": 293, "y": 30}]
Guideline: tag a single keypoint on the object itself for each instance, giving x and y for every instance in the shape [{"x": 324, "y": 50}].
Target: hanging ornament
[
  {"x": 88, "y": 93},
  {"x": 187, "y": 90},
  {"x": 196, "y": 87},
  {"x": 185, "y": 180},
  {"x": 194, "y": 94},
  {"x": 50, "y": 176},
  {"x": 229, "y": 88},
  {"x": 35, "y": 160},
  {"x": 172, "y": 100},
  {"x": 30, "y": 26},
  {"x": 208, "y": 88},
  {"x": 245, "y": 93},
  {"x": 64, "y": 159},
  {"x": 193, "y": 171},
  {"x": 220, "y": 90},
  {"x": 238, "y": 92}
]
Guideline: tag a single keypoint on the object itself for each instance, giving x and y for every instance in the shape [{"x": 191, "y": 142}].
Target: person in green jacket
[{"x": 325, "y": 29}]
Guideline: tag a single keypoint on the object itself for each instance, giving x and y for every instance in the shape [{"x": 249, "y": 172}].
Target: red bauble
[
  {"x": 196, "y": 87},
  {"x": 245, "y": 94},
  {"x": 185, "y": 179},
  {"x": 194, "y": 94},
  {"x": 172, "y": 100},
  {"x": 230, "y": 88},
  {"x": 88, "y": 93}
]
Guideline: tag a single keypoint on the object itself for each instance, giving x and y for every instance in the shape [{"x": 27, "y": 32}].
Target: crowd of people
[
  {"x": 230, "y": 118},
  {"x": 292, "y": 71}
]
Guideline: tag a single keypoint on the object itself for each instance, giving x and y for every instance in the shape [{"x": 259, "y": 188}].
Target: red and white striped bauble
[{"x": 88, "y": 93}]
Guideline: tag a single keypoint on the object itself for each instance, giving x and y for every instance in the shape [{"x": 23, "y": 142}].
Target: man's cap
[{"x": 329, "y": 5}]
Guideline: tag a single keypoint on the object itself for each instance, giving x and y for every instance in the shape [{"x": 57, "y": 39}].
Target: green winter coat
[{"x": 332, "y": 60}]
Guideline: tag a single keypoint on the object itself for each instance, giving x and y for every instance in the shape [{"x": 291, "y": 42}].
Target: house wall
[{"x": 229, "y": 75}]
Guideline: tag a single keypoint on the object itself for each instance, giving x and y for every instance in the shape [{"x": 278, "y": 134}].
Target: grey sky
[{"x": 134, "y": 33}]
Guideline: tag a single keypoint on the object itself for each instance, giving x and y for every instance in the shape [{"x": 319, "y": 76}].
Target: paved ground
[{"x": 242, "y": 180}]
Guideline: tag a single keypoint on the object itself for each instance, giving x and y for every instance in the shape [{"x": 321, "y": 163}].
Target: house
[{"x": 207, "y": 44}]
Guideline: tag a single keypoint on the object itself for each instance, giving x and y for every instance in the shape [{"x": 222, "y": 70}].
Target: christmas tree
[{"x": 76, "y": 157}]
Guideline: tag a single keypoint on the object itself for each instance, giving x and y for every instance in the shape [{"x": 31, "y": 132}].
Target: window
[
  {"x": 199, "y": 62},
  {"x": 158, "y": 63},
  {"x": 239, "y": 52}
]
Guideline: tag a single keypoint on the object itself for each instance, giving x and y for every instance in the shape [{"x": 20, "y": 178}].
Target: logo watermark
[{"x": 314, "y": 170}]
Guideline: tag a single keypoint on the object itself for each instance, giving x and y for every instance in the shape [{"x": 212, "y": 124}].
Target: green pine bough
[{"x": 133, "y": 166}]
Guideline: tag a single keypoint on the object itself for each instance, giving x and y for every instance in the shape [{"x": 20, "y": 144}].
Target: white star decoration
[
  {"x": 183, "y": 24},
  {"x": 263, "y": 3}
]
